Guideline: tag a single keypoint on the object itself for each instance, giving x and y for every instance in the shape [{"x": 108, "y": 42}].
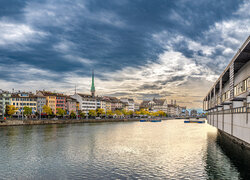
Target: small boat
[
  {"x": 143, "y": 120},
  {"x": 194, "y": 121},
  {"x": 155, "y": 121}
]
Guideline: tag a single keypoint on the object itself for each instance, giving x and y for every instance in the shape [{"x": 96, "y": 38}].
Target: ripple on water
[{"x": 167, "y": 150}]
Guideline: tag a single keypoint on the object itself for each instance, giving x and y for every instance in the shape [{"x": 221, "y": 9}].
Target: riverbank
[{"x": 60, "y": 121}]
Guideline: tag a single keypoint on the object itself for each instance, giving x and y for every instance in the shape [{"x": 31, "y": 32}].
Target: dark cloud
[
  {"x": 150, "y": 87},
  {"x": 171, "y": 79}
]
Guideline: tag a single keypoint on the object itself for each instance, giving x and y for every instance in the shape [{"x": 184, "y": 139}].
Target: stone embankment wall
[{"x": 60, "y": 121}]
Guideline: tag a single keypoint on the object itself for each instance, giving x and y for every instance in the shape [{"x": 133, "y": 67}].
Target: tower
[{"x": 93, "y": 85}]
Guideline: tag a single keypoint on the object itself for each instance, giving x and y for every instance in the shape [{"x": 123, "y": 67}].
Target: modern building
[
  {"x": 4, "y": 101},
  {"x": 228, "y": 101}
]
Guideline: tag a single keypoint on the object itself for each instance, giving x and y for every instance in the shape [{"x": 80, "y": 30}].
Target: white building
[
  {"x": 228, "y": 101},
  {"x": 4, "y": 100},
  {"x": 88, "y": 102},
  {"x": 131, "y": 103}
]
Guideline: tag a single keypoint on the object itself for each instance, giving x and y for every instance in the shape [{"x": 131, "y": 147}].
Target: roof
[
  {"x": 48, "y": 93},
  {"x": 239, "y": 60}
]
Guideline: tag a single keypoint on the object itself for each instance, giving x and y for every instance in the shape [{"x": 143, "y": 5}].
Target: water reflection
[{"x": 166, "y": 150}]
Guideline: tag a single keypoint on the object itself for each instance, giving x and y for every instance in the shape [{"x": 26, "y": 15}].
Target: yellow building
[
  {"x": 50, "y": 99},
  {"x": 20, "y": 100}
]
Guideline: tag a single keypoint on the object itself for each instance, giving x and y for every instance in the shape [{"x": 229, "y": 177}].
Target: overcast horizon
[{"x": 138, "y": 49}]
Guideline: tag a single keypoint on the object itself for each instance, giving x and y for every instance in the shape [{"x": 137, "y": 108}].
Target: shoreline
[
  {"x": 60, "y": 121},
  {"x": 64, "y": 121}
]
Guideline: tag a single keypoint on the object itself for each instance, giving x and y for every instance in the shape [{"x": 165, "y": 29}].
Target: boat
[
  {"x": 194, "y": 121},
  {"x": 143, "y": 120},
  {"x": 155, "y": 121}
]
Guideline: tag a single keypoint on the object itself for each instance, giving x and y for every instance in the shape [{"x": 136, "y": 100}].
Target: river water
[{"x": 125, "y": 150}]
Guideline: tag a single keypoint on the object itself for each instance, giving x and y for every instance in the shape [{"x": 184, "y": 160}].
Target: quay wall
[
  {"x": 236, "y": 125},
  {"x": 61, "y": 121}
]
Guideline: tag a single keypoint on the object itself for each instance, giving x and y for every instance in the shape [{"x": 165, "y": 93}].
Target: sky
[{"x": 138, "y": 48}]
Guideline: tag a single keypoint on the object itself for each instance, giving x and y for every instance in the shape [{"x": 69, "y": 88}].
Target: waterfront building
[
  {"x": 155, "y": 105},
  {"x": 172, "y": 110},
  {"x": 71, "y": 104},
  {"x": 137, "y": 107},
  {"x": 4, "y": 101},
  {"x": 116, "y": 104},
  {"x": 193, "y": 113},
  {"x": 22, "y": 99},
  {"x": 86, "y": 102},
  {"x": 184, "y": 112},
  {"x": 228, "y": 101},
  {"x": 130, "y": 103},
  {"x": 108, "y": 104},
  {"x": 60, "y": 101},
  {"x": 41, "y": 102},
  {"x": 50, "y": 99}
]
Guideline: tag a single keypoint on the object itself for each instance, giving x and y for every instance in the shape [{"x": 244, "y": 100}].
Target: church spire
[{"x": 93, "y": 85}]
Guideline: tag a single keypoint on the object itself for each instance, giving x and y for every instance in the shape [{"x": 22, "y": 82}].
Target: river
[{"x": 124, "y": 150}]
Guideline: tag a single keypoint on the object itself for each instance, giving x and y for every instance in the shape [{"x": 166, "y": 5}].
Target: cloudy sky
[{"x": 138, "y": 48}]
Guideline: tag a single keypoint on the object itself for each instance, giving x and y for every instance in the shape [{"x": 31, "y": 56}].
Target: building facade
[
  {"x": 130, "y": 104},
  {"x": 71, "y": 104},
  {"x": 5, "y": 97},
  {"x": 228, "y": 101},
  {"x": 23, "y": 99},
  {"x": 41, "y": 102}
]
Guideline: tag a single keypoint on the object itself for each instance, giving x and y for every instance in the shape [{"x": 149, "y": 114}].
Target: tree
[
  {"x": 60, "y": 112},
  {"x": 118, "y": 112},
  {"x": 124, "y": 112},
  {"x": 109, "y": 113},
  {"x": 137, "y": 112},
  {"x": 47, "y": 110},
  {"x": 100, "y": 112},
  {"x": 27, "y": 111},
  {"x": 144, "y": 112},
  {"x": 82, "y": 114},
  {"x": 72, "y": 114},
  {"x": 161, "y": 113},
  {"x": 155, "y": 114},
  {"x": 92, "y": 113},
  {"x": 10, "y": 110},
  {"x": 131, "y": 113}
]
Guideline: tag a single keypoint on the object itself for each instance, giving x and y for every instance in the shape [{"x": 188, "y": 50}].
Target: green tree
[
  {"x": 92, "y": 113},
  {"x": 60, "y": 112},
  {"x": 100, "y": 112},
  {"x": 27, "y": 111},
  {"x": 10, "y": 110},
  {"x": 47, "y": 110},
  {"x": 72, "y": 114}
]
